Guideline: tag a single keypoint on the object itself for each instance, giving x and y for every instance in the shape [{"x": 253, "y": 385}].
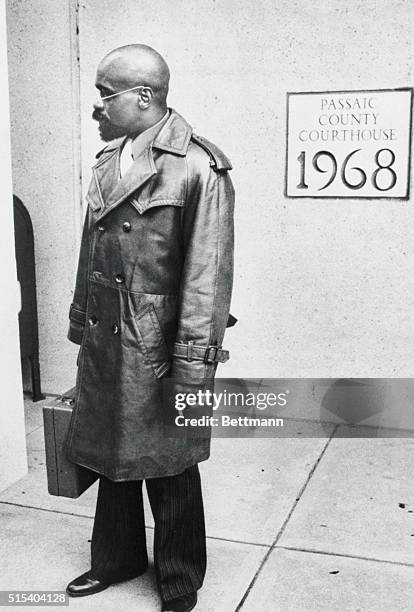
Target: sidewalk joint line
[
  {"x": 281, "y": 530},
  {"x": 45, "y": 509},
  {"x": 239, "y": 542},
  {"x": 29, "y": 433},
  {"x": 65, "y": 512},
  {"x": 299, "y": 496},
  {"x": 344, "y": 555}
]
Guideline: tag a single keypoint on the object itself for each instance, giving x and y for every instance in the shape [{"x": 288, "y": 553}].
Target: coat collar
[
  {"x": 107, "y": 191},
  {"x": 174, "y": 136},
  {"x": 144, "y": 140}
]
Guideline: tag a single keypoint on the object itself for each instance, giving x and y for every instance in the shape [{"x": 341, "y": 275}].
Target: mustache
[
  {"x": 107, "y": 130},
  {"x": 97, "y": 116}
]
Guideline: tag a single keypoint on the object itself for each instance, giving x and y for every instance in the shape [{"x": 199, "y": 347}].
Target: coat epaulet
[
  {"x": 218, "y": 160},
  {"x": 114, "y": 144}
]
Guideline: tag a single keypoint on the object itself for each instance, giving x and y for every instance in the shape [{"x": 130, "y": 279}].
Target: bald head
[
  {"x": 133, "y": 85},
  {"x": 134, "y": 65}
]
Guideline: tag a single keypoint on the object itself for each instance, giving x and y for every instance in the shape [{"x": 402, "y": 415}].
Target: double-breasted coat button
[
  {"x": 119, "y": 279},
  {"x": 92, "y": 320},
  {"x": 126, "y": 226},
  {"x": 100, "y": 228},
  {"x": 115, "y": 328}
]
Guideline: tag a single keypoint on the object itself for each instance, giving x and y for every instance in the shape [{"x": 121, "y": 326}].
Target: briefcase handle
[{"x": 69, "y": 397}]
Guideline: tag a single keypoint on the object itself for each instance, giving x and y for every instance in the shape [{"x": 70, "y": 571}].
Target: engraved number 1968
[{"x": 383, "y": 165}]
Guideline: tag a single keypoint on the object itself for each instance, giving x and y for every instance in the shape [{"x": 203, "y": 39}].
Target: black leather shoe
[
  {"x": 85, "y": 584},
  {"x": 185, "y": 603}
]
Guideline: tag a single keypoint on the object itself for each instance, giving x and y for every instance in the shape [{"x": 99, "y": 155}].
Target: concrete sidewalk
[{"x": 293, "y": 524}]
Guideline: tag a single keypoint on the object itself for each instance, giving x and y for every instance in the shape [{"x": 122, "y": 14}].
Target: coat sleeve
[
  {"x": 77, "y": 311},
  {"x": 207, "y": 274}
]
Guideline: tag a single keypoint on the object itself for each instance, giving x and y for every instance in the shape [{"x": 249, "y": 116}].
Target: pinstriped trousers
[{"x": 118, "y": 546}]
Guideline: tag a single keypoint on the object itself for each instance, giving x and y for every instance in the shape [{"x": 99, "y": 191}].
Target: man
[{"x": 151, "y": 300}]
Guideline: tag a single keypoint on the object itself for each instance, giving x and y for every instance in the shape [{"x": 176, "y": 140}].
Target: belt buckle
[{"x": 207, "y": 358}]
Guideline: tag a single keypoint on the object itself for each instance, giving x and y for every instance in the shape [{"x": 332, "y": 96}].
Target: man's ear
[{"x": 145, "y": 96}]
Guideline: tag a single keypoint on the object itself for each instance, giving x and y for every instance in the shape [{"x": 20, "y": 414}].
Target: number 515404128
[{"x": 384, "y": 160}]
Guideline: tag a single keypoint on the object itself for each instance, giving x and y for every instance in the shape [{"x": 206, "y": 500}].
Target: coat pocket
[
  {"x": 155, "y": 347},
  {"x": 142, "y": 205}
]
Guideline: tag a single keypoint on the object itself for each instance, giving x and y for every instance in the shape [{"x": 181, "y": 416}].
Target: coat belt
[
  {"x": 77, "y": 315},
  {"x": 194, "y": 352}
]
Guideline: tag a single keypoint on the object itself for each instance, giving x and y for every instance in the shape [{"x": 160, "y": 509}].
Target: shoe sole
[{"x": 97, "y": 590}]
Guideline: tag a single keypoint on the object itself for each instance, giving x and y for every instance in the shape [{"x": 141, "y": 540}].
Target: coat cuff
[
  {"x": 77, "y": 319},
  {"x": 193, "y": 373}
]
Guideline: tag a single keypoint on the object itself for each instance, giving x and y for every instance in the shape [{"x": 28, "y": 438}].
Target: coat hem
[{"x": 130, "y": 475}]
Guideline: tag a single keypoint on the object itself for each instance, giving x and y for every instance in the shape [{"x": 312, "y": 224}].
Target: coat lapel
[
  {"x": 108, "y": 191},
  {"x": 104, "y": 175},
  {"x": 94, "y": 195},
  {"x": 141, "y": 170}
]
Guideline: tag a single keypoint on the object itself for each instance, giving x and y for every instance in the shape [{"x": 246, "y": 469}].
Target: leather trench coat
[{"x": 151, "y": 299}]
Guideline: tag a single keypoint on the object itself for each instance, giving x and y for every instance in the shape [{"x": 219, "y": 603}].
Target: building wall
[
  {"x": 322, "y": 287},
  {"x": 13, "y": 460},
  {"x": 44, "y": 125}
]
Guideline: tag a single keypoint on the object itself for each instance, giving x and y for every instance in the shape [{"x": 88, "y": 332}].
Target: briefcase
[{"x": 64, "y": 478}]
